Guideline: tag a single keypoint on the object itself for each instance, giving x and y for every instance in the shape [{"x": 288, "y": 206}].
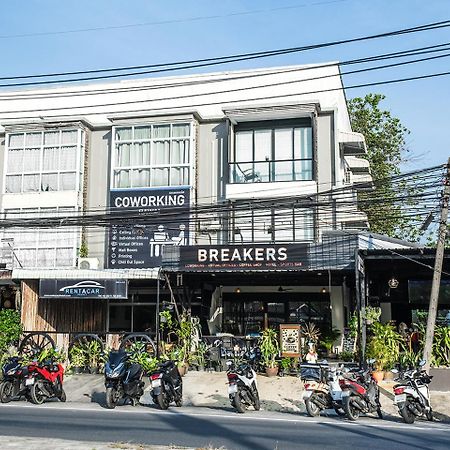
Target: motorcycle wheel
[
  {"x": 351, "y": 411},
  {"x": 62, "y": 397},
  {"x": 6, "y": 391},
  {"x": 407, "y": 415},
  {"x": 379, "y": 412},
  {"x": 256, "y": 402},
  {"x": 311, "y": 407},
  {"x": 240, "y": 407},
  {"x": 162, "y": 401},
  {"x": 111, "y": 398},
  {"x": 36, "y": 394}
]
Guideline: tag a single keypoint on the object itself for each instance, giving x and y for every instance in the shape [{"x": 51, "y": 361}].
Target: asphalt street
[{"x": 202, "y": 427}]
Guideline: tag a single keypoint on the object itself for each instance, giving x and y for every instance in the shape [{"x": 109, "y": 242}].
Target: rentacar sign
[{"x": 67, "y": 288}]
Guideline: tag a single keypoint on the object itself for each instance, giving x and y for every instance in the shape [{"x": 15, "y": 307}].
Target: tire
[
  {"x": 62, "y": 397},
  {"x": 240, "y": 407},
  {"x": 379, "y": 413},
  {"x": 351, "y": 411},
  {"x": 311, "y": 407},
  {"x": 162, "y": 401},
  {"x": 111, "y": 398},
  {"x": 407, "y": 416},
  {"x": 36, "y": 395},
  {"x": 256, "y": 402},
  {"x": 6, "y": 391}
]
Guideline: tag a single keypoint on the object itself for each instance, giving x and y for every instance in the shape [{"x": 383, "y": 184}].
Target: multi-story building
[{"x": 242, "y": 183}]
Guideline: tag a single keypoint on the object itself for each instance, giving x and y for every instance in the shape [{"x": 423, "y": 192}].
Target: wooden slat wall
[{"x": 61, "y": 315}]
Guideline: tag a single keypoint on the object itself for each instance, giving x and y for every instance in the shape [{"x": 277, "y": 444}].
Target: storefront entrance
[{"x": 244, "y": 314}]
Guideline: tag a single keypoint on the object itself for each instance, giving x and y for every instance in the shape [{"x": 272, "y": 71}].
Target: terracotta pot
[
  {"x": 388, "y": 376},
  {"x": 182, "y": 369},
  {"x": 271, "y": 371},
  {"x": 378, "y": 375}
]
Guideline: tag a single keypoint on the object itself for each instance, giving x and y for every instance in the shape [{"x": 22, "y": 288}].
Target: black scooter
[
  {"x": 14, "y": 383},
  {"x": 123, "y": 380},
  {"x": 167, "y": 385}
]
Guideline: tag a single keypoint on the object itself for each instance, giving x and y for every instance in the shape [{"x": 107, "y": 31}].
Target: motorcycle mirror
[{"x": 422, "y": 363}]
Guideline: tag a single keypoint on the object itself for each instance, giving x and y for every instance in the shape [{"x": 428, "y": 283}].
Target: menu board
[{"x": 290, "y": 340}]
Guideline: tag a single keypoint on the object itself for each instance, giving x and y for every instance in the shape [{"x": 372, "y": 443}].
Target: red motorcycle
[{"x": 47, "y": 383}]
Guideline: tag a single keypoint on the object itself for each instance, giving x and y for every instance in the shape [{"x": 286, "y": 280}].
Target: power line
[
  {"x": 247, "y": 88},
  {"x": 189, "y": 64},
  {"x": 171, "y": 21}
]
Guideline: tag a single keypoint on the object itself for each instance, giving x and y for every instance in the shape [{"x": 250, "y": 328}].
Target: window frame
[
  {"x": 272, "y": 126},
  {"x": 115, "y": 168},
  {"x": 77, "y": 171}
]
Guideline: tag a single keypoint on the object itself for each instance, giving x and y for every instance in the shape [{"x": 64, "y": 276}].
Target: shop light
[
  {"x": 323, "y": 290},
  {"x": 237, "y": 290}
]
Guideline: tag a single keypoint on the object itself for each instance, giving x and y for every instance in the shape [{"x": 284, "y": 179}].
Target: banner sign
[
  {"x": 243, "y": 257},
  {"x": 290, "y": 340},
  {"x": 165, "y": 222},
  {"x": 64, "y": 288}
]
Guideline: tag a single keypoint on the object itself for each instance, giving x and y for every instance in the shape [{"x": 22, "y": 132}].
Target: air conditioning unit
[{"x": 88, "y": 263}]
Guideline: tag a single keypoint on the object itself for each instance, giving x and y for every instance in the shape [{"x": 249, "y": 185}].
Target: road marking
[{"x": 227, "y": 415}]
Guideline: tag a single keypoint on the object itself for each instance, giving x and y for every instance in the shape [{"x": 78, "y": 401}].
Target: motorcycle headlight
[{"x": 113, "y": 372}]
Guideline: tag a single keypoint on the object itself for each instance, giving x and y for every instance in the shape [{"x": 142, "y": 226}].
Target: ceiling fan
[{"x": 282, "y": 289}]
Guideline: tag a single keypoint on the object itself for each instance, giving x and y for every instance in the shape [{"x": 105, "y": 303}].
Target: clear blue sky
[{"x": 423, "y": 106}]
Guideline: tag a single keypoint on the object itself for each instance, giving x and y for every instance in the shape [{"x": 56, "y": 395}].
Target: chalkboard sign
[{"x": 349, "y": 342}]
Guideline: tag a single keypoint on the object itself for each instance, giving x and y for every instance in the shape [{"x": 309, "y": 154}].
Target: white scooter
[
  {"x": 242, "y": 386},
  {"x": 322, "y": 388},
  {"x": 412, "y": 395}
]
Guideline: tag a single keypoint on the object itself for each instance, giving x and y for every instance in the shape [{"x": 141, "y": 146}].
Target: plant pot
[
  {"x": 77, "y": 370},
  {"x": 378, "y": 375},
  {"x": 388, "y": 376},
  {"x": 182, "y": 369},
  {"x": 271, "y": 371},
  {"x": 94, "y": 370}
]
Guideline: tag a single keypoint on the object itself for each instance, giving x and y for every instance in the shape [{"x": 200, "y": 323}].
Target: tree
[{"x": 388, "y": 204}]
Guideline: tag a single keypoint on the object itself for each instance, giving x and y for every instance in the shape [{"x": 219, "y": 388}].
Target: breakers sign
[
  {"x": 244, "y": 257},
  {"x": 64, "y": 288}
]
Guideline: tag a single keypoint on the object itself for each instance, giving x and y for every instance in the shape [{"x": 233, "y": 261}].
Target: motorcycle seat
[{"x": 166, "y": 364}]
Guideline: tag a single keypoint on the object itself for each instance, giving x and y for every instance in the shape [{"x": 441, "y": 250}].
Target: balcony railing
[{"x": 270, "y": 171}]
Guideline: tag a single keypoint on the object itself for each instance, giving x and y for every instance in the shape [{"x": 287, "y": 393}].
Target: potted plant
[
  {"x": 270, "y": 348},
  {"x": 328, "y": 339},
  {"x": 184, "y": 333},
  {"x": 285, "y": 366},
  {"x": 77, "y": 358},
  {"x": 93, "y": 351},
  {"x": 384, "y": 347}
]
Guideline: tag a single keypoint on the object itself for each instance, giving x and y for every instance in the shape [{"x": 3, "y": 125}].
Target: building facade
[{"x": 238, "y": 190}]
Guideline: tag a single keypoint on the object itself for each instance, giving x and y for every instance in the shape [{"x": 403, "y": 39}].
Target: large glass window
[
  {"x": 274, "y": 224},
  {"x": 41, "y": 247},
  {"x": 280, "y": 151},
  {"x": 43, "y": 161},
  {"x": 151, "y": 155}
]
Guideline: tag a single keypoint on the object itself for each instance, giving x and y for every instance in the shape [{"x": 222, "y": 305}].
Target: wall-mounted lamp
[
  {"x": 393, "y": 283},
  {"x": 237, "y": 290},
  {"x": 323, "y": 290}
]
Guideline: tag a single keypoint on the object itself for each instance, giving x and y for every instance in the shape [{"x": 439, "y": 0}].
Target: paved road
[{"x": 200, "y": 427}]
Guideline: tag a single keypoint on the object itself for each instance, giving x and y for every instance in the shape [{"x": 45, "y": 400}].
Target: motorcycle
[
  {"x": 242, "y": 386},
  {"x": 122, "y": 379},
  {"x": 360, "y": 394},
  {"x": 322, "y": 389},
  {"x": 412, "y": 395},
  {"x": 46, "y": 381},
  {"x": 16, "y": 380},
  {"x": 167, "y": 385}
]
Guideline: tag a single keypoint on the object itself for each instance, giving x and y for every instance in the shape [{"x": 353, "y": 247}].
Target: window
[
  {"x": 43, "y": 161},
  {"x": 277, "y": 151},
  {"x": 152, "y": 155},
  {"x": 42, "y": 247},
  {"x": 272, "y": 224}
]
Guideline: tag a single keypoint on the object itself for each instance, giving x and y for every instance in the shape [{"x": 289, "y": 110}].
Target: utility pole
[{"x": 434, "y": 295}]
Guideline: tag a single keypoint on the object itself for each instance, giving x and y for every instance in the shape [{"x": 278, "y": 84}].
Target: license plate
[
  {"x": 156, "y": 383},
  {"x": 29, "y": 381},
  {"x": 307, "y": 394},
  {"x": 400, "y": 398},
  {"x": 232, "y": 388}
]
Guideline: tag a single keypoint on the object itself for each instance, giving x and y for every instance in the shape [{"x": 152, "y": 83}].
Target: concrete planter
[{"x": 441, "y": 379}]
